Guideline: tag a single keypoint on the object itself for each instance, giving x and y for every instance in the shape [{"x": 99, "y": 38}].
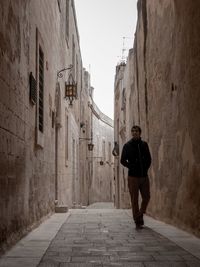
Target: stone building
[
  {"x": 123, "y": 118},
  {"x": 67, "y": 128},
  {"x": 38, "y": 39},
  {"x": 164, "y": 101},
  {"x": 101, "y": 187},
  {"x": 85, "y": 139},
  {"x": 40, "y": 151},
  {"x": 96, "y": 164}
]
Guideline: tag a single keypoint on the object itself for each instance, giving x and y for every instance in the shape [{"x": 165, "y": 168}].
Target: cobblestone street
[{"x": 103, "y": 237}]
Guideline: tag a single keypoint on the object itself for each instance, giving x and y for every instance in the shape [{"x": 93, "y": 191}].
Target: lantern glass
[
  {"x": 70, "y": 89},
  {"x": 90, "y": 146}
]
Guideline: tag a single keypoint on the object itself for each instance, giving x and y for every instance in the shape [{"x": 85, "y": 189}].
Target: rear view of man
[{"x": 137, "y": 158}]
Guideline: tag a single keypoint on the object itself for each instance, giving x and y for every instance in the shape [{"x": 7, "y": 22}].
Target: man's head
[{"x": 136, "y": 132}]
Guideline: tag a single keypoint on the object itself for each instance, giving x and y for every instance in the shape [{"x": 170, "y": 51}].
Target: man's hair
[{"x": 136, "y": 127}]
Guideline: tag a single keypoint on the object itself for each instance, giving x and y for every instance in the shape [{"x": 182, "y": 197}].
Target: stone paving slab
[
  {"x": 183, "y": 239},
  {"x": 99, "y": 237},
  {"x": 30, "y": 249},
  {"x": 103, "y": 237}
]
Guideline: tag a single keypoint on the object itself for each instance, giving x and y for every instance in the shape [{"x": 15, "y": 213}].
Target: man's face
[{"x": 135, "y": 133}]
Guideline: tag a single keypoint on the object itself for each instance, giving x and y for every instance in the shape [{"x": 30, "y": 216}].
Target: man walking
[{"x": 137, "y": 158}]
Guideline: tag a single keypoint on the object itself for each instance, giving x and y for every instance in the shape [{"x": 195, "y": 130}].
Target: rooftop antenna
[
  {"x": 123, "y": 57},
  {"x": 123, "y": 50}
]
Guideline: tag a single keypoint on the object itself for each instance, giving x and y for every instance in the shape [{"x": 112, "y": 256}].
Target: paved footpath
[{"x": 103, "y": 237}]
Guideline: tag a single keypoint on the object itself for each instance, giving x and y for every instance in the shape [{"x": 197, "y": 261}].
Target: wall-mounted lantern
[
  {"x": 70, "y": 85},
  {"x": 70, "y": 89},
  {"x": 101, "y": 162},
  {"x": 90, "y": 146},
  {"x": 82, "y": 126}
]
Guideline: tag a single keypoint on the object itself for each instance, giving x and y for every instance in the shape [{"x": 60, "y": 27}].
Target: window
[
  {"x": 59, "y": 5},
  {"x": 76, "y": 69},
  {"x": 52, "y": 119},
  {"x": 40, "y": 77},
  {"x": 123, "y": 99},
  {"x": 67, "y": 20},
  {"x": 73, "y": 58},
  {"x": 66, "y": 137},
  {"x": 41, "y": 90},
  {"x": 104, "y": 150},
  {"x": 109, "y": 151}
]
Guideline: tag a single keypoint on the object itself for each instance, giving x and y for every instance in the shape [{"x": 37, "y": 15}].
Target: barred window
[
  {"x": 41, "y": 90},
  {"x": 73, "y": 57},
  {"x": 109, "y": 152},
  {"x": 67, "y": 19},
  {"x": 66, "y": 138},
  {"x": 59, "y": 7},
  {"x": 104, "y": 150}
]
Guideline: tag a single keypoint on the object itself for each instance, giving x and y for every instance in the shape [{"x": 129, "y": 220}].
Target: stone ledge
[{"x": 61, "y": 209}]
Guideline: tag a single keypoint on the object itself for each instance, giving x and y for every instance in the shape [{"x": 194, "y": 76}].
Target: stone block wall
[
  {"x": 28, "y": 157},
  {"x": 167, "y": 59},
  {"x": 96, "y": 180},
  {"x": 101, "y": 187}
]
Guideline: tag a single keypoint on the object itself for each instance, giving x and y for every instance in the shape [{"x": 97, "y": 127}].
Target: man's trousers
[{"x": 136, "y": 185}]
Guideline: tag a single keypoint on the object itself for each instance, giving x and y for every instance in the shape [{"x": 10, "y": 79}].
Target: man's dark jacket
[{"x": 136, "y": 157}]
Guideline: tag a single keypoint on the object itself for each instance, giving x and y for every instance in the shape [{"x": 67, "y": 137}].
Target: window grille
[
  {"x": 33, "y": 89},
  {"x": 73, "y": 57},
  {"x": 67, "y": 19},
  {"x": 66, "y": 137},
  {"x": 59, "y": 5},
  {"x": 41, "y": 90},
  {"x": 53, "y": 119},
  {"x": 104, "y": 150}
]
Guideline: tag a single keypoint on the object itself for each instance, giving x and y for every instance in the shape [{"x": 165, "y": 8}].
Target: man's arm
[{"x": 124, "y": 160}]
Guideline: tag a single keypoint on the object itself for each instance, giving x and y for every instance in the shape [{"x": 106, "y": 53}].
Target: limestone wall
[
  {"x": 68, "y": 129},
  {"x": 96, "y": 166},
  {"x": 34, "y": 172},
  {"x": 166, "y": 98},
  {"x": 101, "y": 184},
  {"x": 85, "y": 157}
]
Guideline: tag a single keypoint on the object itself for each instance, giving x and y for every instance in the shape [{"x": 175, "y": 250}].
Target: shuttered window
[
  {"x": 66, "y": 138},
  {"x": 59, "y": 7},
  {"x": 67, "y": 20},
  {"x": 41, "y": 90},
  {"x": 109, "y": 152},
  {"x": 104, "y": 150}
]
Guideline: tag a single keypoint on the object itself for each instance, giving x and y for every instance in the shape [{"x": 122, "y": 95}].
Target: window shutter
[{"x": 33, "y": 89}]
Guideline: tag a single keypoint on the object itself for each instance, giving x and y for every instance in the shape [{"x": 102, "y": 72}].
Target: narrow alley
[
  {"x": 70, "y": 172},
  {"x": 103, "y": 236}
]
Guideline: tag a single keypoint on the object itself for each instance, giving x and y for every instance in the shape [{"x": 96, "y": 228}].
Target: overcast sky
[{"x": 102, "y": 24}]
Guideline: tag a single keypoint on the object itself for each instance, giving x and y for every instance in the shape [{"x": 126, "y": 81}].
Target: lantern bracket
[{"x": 59, "y": 73}]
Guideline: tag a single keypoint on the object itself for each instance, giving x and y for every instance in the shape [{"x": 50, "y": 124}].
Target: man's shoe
[
  {"x": 141, "y": 220},
  {"x": 138, "y": 226}
]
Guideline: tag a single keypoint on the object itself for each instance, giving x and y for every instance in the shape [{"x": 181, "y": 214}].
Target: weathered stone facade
[
  {"x": 33, "y": 41},
  {"x": 124, "y": 119},
  {"x": 164, "y": 101},
  {"x": 97, "y": 164},
  {"x": 101, "y": 186},
  {"x": 40, "y": 147},
  {"x": 85, "y": 135}
]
